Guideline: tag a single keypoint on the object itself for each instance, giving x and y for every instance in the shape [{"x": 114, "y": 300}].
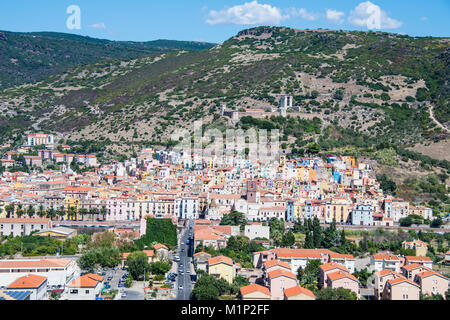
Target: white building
[
  {"x": 86, "y": 287},
  {"x": 37, "y": 139},
  {"x": 35, "y": 284},
  {"x": 286, "y": 102},
  {"x": 257, "y": 230},
  {"x": 59, "y": 272},
  {"x": 23, "y": 226},
  {"x": 188, "y": 208}
]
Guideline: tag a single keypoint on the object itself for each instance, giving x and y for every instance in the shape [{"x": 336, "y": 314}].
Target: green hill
[
  {"x": 365, "y": 88},
  {"x": 29, "y": 57}
]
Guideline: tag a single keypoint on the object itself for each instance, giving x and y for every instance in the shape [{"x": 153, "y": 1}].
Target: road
[
  {"x": 435, "y": 121},
  {"x": 423, "y": 229},
  {"x": 185, "y": 261}
]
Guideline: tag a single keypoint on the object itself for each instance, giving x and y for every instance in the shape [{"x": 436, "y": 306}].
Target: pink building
[
  {"x": 328, "y": 268},
  {"x": 278, "y": 280},
  {"x": 342, "y": 279}
]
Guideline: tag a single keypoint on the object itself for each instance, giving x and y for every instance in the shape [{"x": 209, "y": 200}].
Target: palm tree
[
  {"x": 30, "y": 211},
  {"x": 19, "y": 211},
  {"x": 51, "y": 213},
  {"x": 41, "y": 211},
  {"x": 9, "y": 210},
  {"x": 103, "y": 212},
  {"x": 83, "y": 212},
  {"x": 61, "y": 213}
]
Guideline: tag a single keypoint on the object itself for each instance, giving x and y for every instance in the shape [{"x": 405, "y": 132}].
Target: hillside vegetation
[{"x": 360, "y": 89}]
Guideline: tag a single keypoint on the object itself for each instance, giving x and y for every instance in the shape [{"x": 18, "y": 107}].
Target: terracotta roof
[
  {"x": 89, "y": 280},
  {"x": 396, "y": 281},
  {"x": 281, "y": 273},
  {"x": 27, "y": 282},
  {"x": 272, "y": 263},
  {"x": 254, "y": 287},
  {"x": 159, "y": 246},
  {"x": 220, "y": 259},
  {"x": 41, "y": 263},
  {"x": 385, "y": 256},
  {"x": 412, "y": 266},
  {"x": 201, "y": 252},
  {"x": 332, "y": 265},
  {"x": 24, "y": 220},
  {"x": 341, "y": 274},
  {"x": 294, "y": 291},
  {"x": 385, "y": 272},
  {"x": 414, "y": 258},
  {"x": 428, "y": 273}
]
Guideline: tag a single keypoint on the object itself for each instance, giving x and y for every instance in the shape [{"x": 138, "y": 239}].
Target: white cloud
[
  {"x": 99, "y": 25},
  {"x": 335, "y": 16},
  {"x": 249, "y": 13},
  {"x": 369, "y": 15},
  {"x": 304, "y": 14},
  {"x": 423, "y": 18}
]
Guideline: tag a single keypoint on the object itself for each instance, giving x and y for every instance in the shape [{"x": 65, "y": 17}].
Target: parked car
[
  {"x": 121, "y": 285},
  {"x": 124, "y": 295}
]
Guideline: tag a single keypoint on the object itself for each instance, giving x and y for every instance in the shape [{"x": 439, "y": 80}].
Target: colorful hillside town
[{"x": 217, "y": 207}]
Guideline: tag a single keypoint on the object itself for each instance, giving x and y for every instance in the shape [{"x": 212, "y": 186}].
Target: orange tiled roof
[
  {"x": 254, "y": 287},
  {"x": 159, "y": 246},
  {"x": 89, "y": 280},
  {"x": 272, "y": 263},
  {"x": 28, "y": 281},
  {"x": 281, "y": 273},
  {"x": 332, "y": 265},
  {"x": 396, "y": 281},
  {"x": 414, "y": 258},
  {"x": 412, "y": 266},
  {"x": 220, "y": 259},
  {"x": 298, "y": 290},
  {"x": 41, "y": 263},
  {"x": 428, "y": 273},
  {"x": 341, "y": 274}
]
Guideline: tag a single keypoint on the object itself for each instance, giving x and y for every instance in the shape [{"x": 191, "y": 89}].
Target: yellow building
[
  {"x": 222, "y": 267},
  {"x": 71, "y": 203},
  {"x": 340, "y": 209}
]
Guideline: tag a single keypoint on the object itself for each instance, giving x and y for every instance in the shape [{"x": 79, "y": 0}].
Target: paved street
[
  {"x": 136, "y": 292},
  {"x": 186, "y": 263}
]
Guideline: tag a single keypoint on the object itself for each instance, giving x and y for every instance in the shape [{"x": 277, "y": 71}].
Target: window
[
  {"x": 87, "y": 291},
  {"x": 74, "y": 291}
]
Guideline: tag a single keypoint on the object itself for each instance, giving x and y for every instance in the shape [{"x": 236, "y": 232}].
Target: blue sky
[{"x": 218, "y": 20}]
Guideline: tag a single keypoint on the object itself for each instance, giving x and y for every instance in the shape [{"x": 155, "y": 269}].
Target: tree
[
  {"x": 363, "y": 275},
  {"x": 159, "y": 231},
  {"x": 9, "y": 208},
  {"x": 137, "y": 263},
  {"x": 238, "y": 283},
  {"x": 330, "y": 238},
  {"x": 103, "y": 212},
  {"x": 103, "y": 239},
  {"x": 234, "y": 218},
  {"x": 309, "y": 242},
  {"x": 288, "y": 239},
  {"x": 30, "y": 211},
  {"x": 83, "y": 212},
  {"x": 336, "y": 294},
  {"x": 41, "y": 211},
  {"x": 309, "y": 277},
  {"x": 205, "y": 288},
  {"x": 19, "y": 211},
  {"x": 436, "y": 223},
  {"x": 317, "y": 233},
  {"x": 160, "y": 267}
]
